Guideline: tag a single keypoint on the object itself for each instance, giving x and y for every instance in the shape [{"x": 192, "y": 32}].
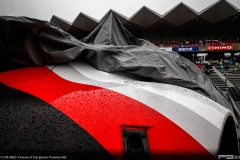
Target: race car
[
  {"x": 108, "y": 96},
  {"x": 77, "y": 111}
]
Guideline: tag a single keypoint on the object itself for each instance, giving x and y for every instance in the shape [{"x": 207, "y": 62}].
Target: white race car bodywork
[{"x": 196, "y": 114}]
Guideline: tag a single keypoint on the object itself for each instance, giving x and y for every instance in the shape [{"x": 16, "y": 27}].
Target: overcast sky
[{"x": 69, "y": 9}]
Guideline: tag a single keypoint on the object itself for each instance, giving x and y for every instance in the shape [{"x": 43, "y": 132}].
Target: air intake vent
[{"x": 135, "y": 143}]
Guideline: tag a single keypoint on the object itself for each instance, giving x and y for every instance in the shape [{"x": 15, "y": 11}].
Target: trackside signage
[
  {"x": 220, "y": 47},
  {"x": 185, "y": 49},
  {"x": 166, "y": 48}
]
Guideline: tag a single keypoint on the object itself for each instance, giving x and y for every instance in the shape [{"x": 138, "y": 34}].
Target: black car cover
[{"x": 109, "y": 47}]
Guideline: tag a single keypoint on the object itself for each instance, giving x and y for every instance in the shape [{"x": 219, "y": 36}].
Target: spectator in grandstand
[
  {"x": 221, "y": 61},
  {"x": 206, "y": 58},
  {"x": 234, "y": 60},
  {"x": 182, "y": 43},
  {"x": 203, "y": 41},
  {"x": 226, "y": 67},
  {"x": 211, "y": 69},
  {"x": 221, "y": 66},
  {"x": 207, "y": 69},
  {"x": 199, "y": 66}
]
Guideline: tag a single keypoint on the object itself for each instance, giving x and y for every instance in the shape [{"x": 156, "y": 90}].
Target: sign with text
[
  {"x": 220, "y": 47},
  {"x": 185, "y": 49},
  {"x": 166, "y": 48}
]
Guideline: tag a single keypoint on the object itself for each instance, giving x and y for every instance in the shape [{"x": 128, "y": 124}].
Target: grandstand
[
  {"x": 214, "y": 31},
  {"x": 181, "y": 24}
]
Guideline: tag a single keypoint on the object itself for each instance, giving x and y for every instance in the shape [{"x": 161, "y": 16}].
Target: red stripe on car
[{"x": 103, "y": 113}]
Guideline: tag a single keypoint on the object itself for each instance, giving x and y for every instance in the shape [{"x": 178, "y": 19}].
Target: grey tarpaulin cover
[
  {"x": 109, "y": 47},
  {"x": 234, "y": 92}
]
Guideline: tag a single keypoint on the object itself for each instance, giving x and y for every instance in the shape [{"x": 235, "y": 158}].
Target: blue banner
[{"x": 185, "y": 49}]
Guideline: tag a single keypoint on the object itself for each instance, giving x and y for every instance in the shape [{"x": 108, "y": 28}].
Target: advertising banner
[
  {"x": 185, "y": 49},
  {"x": 166, "y": 48},
  {"x": 222, "y": 47}
]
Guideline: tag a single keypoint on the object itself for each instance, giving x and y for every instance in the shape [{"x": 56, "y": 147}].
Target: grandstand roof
[{"x": 179, "y": 15}]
